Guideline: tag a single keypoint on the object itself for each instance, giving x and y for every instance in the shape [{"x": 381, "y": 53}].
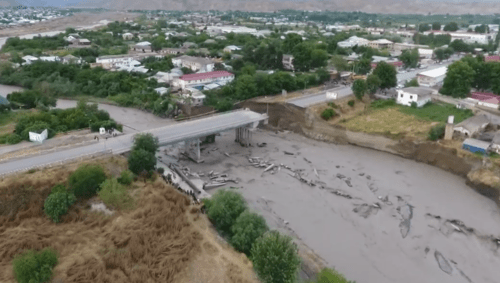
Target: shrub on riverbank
[
  {"x": 86, "y": 180},
  {"x": 224, "y": 208},
  {"x": 247, "y": 228},
  {"x": 437, "y": 132},
  {"x": 34, "y": 267},
  {"x": 328, "y": 275}
]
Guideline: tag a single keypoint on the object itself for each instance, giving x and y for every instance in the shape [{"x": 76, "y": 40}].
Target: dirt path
[{"x": 375, "y": 217}]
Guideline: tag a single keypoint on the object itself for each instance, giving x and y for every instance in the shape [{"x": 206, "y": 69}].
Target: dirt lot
[
  {"x": 77, "y": 20},
  {"x": 162, "y": 239}
]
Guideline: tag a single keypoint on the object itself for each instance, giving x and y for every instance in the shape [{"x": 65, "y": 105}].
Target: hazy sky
[{"x": 62, "y": 3}]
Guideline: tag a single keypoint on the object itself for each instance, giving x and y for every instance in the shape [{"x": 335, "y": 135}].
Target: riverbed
[{"x": 375, "y": 217}]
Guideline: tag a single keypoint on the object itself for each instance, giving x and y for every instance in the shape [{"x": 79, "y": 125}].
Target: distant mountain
[{"x": 370, "y": 6}]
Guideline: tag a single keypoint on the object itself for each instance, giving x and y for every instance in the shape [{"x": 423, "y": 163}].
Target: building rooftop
[
  {"x": 418, "y": 90},
  {"x": 477, "y": 143},
  {"x": 486, "y": 97},
  {"x": 199, "y": 60},
  {"x": 435, "y": 73},
  {"x": 208, "y": 75},
  {"x": 495, "y": 58},
  {"x": 474, "y": 123}
]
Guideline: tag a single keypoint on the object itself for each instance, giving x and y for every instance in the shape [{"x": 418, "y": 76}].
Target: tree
[
  {"x": 436, "y": 26},
  {"x": 424, "y": 27},
  {"x": 412, "y": 83},
  {"x": 436, "y": 132},
  {"x": 482, "y": 29},
  {"x": 458, "y": 80},
  {"x": 247, "y": 228},
  {"x": 275, "y": 258},
  {"x": 57, "y": 204},
  {"x": 291, "y": 40},
  {"x": 319, "y": 58},
  {"x": 147, "y": 141},
  {"x": 363, "y": 66},
  {"x": 451, "y": 27},
  {"x": 359, "y": 88},
  {"x": 85, "y": 181},
  {"x": 302, "y": 56},
  {"x": 224, "y": 208},
  {"x": 245, "y": 87},
  {"x": 219, "y": 67},
  {"x": 340, "y": 63},
  {"x": 34, "y": 266},
  {"x": 373, "y": 83},
  {"x": 387, "y": 75},
  {"x": 328, "y": 113},
  {"x": 410, "y": 58},
  {"x": 141, "y": 160}
]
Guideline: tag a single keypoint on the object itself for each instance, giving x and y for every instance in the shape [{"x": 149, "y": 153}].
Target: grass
[
  {"x": 91, "y": 99},
  {"x": 437, "y": 112},
  {"x": 115, "y": 195},
  {"x": 389, "y": 122},
  {"x": 8, "y": 120}
]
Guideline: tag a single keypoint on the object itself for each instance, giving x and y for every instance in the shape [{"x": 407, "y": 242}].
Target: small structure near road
[
  {"x": 36, "y": 137},
  {"x": 474, "y": 146}
]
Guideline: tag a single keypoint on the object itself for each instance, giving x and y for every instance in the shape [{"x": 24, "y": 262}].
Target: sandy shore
[{"x": 375, "y": 217}]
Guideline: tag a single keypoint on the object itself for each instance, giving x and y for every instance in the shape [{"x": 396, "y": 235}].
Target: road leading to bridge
[
  {"x": 307, "y": 101},
  {"x": 167, "y": 135}
]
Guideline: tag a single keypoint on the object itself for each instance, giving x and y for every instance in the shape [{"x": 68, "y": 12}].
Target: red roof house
[
  {"x": 495, "y": 58},
  {"x": 207, "y": 76},
  {"x": 486, "y": 99}
]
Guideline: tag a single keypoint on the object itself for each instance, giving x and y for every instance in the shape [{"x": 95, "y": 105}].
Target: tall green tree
[
  {"x": 458, "y": 80},
  {"x": 359, "y": 88},
  {"x": 339, "y": 63},
  {"x": 363, "y": 66},
  {"x": 291, "y": 40},
  {"x": 373, "y": 83},
  {"x": 245, "y": 87},
  {"x": 495, "y": 77},
  {"x": 410, "y": 58},
  {"x": 482, "y": 29},
  {"x": 436, "y": 26},
  {"x": 147, "y": 142},
  {"x": 319, "y": 58},
  {"x": 387, "y": 75},
  {"x": 424, "y": 27},
  {"x": 275, "y": 258},
  {"x": 452, "y": 26}
]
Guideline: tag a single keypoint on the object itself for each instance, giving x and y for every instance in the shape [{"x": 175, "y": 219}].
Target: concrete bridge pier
[
  {"x": 243, "y": 136},
  {"x": 194, "y": 154}
]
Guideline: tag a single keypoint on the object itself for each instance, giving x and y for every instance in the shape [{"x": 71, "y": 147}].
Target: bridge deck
[{"x": 166, "y": 135}]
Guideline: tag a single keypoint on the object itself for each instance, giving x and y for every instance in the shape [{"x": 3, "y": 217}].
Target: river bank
[{"x": 374, "y": 216}]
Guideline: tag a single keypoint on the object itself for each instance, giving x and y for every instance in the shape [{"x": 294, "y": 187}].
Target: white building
[
  {"x": 425, "y": 53},
  {"x": 127, "y": 36},
  {"x": 194, "y": 97},
  {"x": 353, "y": 41},
  {"x": 472, "y": 126},
  {"x": 467, "y": 37},
  {"x": 28, "y": 59},
  {"x": 196, "y": 64},
  {"x": 381, "y": 44},
  {"x": 203, "y": 78},
  {"x": 161, "y": 90},
  {"x": 50, "y": 58},
  {"x": 231, "y": 48},
  {"x": 432, "y": 77},
  {"x": 419, "y": 95}
]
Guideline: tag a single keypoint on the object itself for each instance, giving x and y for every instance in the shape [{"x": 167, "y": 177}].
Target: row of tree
[{"x": 470, "y": 73}]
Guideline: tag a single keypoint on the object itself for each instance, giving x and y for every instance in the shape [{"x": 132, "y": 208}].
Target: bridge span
[{"x": 242, "y": 121}]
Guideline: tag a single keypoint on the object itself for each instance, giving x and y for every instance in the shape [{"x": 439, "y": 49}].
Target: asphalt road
[
  {"x": 345, "y": 91},
  {"x": 166, "y": 135}
]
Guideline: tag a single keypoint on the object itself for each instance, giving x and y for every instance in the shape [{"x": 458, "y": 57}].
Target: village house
[
  {"x": 127, "y": 36},
  {"x": 70, "y": 59},
  {"x": 144, "y": 46},
  {"x": 173, "y": 51},
  {"x": 424, "y": 53},
  {"x": 474, "y": 145},
  {"x": 188, "y": 44},
  {"x": 381, "y": 44},
  {"x": 485, "y": 99},
  {"x": 192, "y": 96},
  {"x": 196, "y": 64},
  {"x": 353, "y": 41},
  {"x": 433, "y": 77},
  {"x": 28, "y": 59},
  {"x": 231, "y": 48},
  {"x": 201, "y": 79},
  {"x": 472, "y": 126},
  {"x": 161, "y": 90},
  {"x": 288, "y": 62},
  {"x": 50, "y": 58},
  {"x": 406, "y": 46},
  {"x": 494, "y": 58},
  {"x": 418, "y": 95}
]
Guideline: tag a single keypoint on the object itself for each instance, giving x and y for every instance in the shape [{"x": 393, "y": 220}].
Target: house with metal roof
[
  {"x": 432, "y": 77},
  {"x": 478, "y": 146},
  {"x": 472, "y": 126},
  {"x": 201, "y": 79},
  {"x": 194, "y": 63},
  {"x": 485, "y": 99}
]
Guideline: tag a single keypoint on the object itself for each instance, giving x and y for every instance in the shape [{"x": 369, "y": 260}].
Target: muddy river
[{"x": 375, "y": 217}]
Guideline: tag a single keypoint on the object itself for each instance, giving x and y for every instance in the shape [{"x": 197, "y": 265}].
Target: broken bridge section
[{"x": 191, "y": 132}]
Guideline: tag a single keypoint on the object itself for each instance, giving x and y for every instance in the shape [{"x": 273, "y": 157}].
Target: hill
[{"x": 371, "y": 6}]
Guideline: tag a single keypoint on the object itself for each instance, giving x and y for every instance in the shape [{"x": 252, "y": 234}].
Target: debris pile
[
  {"x": 217, "y": 179},
  {"x": 258, "y": 162}
]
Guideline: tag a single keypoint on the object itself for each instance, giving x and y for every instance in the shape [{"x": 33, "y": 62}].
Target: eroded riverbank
[{"x": 374, "y": 216}]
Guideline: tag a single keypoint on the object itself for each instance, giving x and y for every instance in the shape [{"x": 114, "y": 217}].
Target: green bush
[
  {"x": 436, "y": 132},
  {"x": 34, "y": 267},
  {"x": 328, "y": 113},
  {"x": 275, "y": 258},
  {"x": 126, "y": 177},
  {"x": 147, "y": 142},
  {"x": 85, "y": 181},
  {"x": 114, "y": 194},
  {"x": 247, "y": 228},
  {"x": 224, "y": 208},
  {"x": 333, "y": 105},
  {"x": 413, "y": 105},
  {"x": 140, "y": 161},
  {"x": 382, "y": 103},
  {"x": 57, "y": 204},
  {"x": 59, "y": 188},
  {"x": 328, "y": 275},
  {"x": 13, "y": 139},
  {"x": 351, "y": 103}
]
